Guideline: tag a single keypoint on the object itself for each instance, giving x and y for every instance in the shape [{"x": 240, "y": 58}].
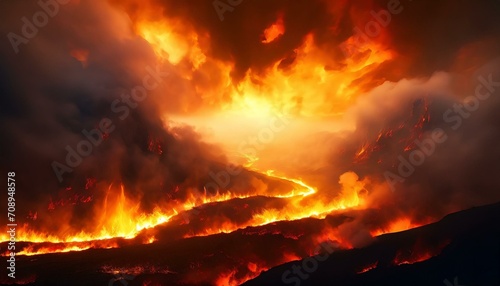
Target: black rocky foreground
[
  {"x": 471, "y": 257},
  {"x": 465, "y": 247}
]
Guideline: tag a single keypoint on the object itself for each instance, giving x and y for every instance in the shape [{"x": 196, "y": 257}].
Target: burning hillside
[{"x": 168, "y": 142}]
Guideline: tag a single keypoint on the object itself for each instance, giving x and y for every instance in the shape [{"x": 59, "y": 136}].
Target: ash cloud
[
  {"x": 48, "y": 98},
  {"x": 460, "y": 173},
  {"x": 427, "y": 36}
]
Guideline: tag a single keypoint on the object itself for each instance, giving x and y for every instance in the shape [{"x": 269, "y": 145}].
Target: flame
[
  {"x": 135, "y": 269},
  {"x": 230, "y": 278},
  {"x": 368, "y": 268},
  {"x": 274, "y": 31},
  {"x": 254, "y": 99},
  {"x": 410, "y": 130},
  {"x": 61, "y": 248},
  {"x": 280, "y": 87},
  {"x": 120, "y": 216},
  {"x": 399, "y": 260},
  {"x": 151, "y": 240},
  {"x": 419, "y": 252},
  {"x": 240, "y": 110},
  {"x": 299, "y": 206},
  {"x": 171, "y": 41},
  {"x": 288, "y": 256},
  {"x": 80, "y": 55},
  {"x": 227, "y": 279},
  {"x": 401, "y": 224}
]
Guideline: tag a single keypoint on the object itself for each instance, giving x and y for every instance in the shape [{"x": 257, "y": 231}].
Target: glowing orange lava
[
  {"x": 274, "y": 31},
  {"x": 368, "y": 268},
  {"x": 398, "y": 225}
]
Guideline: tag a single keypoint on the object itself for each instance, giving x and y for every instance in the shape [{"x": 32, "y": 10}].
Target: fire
[
  {"x": 420, "y": 252},
  {"x": 368, "y": 268},
  {"x": 274, "y": 31},
  {"x": 121, "y": 217},
  {"x": 410, "y": 130},
  {"x": 398, "y": 225},
  {"x": 227, "y": 279},
  {"x": 151, "y": 239},
  {"x": 287, "y": 256},
  {"x": 252, "y": 266},
  {"x": 171, "y": 40},
  {"x": 230, "y": 279},
  {"x": 81, "y": 55},
  {"x": 255, "y": 96},
  {"x": 63, "y": 247},
  {"x": 308, "y": 189},
  {"x": 235, "y": 276},
  {"x": 400, "y": 259},
  {"x": 134, "y": 270},
  {"x": 299, "y": 206},
  {"x": 280, "y": 87},
  {"x": 332, "y": 235},
  {"x": 285, "y": 87},
  {"x": 254, "y": 99}
]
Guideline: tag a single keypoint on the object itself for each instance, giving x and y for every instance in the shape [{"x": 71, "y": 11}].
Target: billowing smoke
[{"x": 74, "y": 81}]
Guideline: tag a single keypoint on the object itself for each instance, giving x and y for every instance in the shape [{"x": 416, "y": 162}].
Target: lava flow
[{"x": 121, "y": 219}]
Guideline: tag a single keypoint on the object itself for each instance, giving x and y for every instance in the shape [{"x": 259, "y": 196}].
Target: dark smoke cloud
[
  {"x": 238, "y": 37},
  {"x": 427, "y": 36},
  {"x": 48, "y": 98},
  {"x": 432, "y": 35},
  {"x": 460, "y": 173}
]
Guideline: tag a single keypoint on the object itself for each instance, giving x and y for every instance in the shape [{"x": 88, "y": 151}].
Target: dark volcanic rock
[{"x": 470, "y": 257}]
